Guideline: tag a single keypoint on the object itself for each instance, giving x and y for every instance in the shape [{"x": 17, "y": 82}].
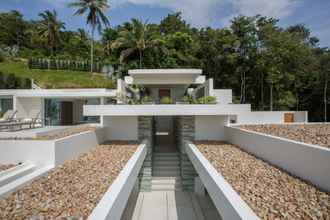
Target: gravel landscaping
[
  {"x": 6, "y": 166},
  {"x": 72, "y": 189},
  {"x": 57, "y": 134},
  {"x": 270, "y": 192},
  {"x": 318, "y": 134}
]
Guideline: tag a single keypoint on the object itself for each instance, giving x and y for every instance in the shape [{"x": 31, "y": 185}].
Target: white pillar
[{"x": 102, "y": 102}]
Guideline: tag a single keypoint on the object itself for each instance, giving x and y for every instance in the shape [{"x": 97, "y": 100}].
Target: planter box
[{"x": 307, "y": 161}]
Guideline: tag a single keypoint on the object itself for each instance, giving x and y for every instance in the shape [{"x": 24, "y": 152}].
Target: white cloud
[{"x": 207, "y": 12}]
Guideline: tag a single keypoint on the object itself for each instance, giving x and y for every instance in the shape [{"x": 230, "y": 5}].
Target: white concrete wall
[
  {"x": 224, "y": 96},
  {"x": 269, "y": 117},
  {"x": 40, "y": 153},
  {"x": 210, "y": 127},
  {"x": 309, "y": 162},
  {"x": 227, "y": 201},
  {"x": 165, "y": 110},
  {"x": 121, "y": 127},
  {"x": 49, "y": 152},
  {"x": 113, "y": 202},
  {"x": 29, "y": 107}
]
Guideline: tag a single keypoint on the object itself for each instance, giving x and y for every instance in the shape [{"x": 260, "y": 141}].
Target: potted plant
[
  {"x": 147, "y": 100},
  {"x": 165, "y": 100},
  {"x": 207, "y": 100}
]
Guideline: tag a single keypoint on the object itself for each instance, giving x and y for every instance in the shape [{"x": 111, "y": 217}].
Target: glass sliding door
[{"x": 52, "y": 112}]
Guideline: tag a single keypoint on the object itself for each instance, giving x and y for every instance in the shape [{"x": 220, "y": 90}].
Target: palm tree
[
  {"x": 50, "y": 28},
  {"x": 137, "y": 38},
  {"x": 95, "y": 16}
]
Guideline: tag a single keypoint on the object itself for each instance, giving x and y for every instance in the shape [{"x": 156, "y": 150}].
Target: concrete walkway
[{"x": 173, "y": 205}]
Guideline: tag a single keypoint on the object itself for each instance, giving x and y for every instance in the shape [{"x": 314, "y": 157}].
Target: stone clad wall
[
  {"x": 185, "y": 130},
  {"x": 145, "y": 131}
]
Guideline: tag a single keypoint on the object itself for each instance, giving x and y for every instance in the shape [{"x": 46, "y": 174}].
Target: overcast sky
[{"x": 315, "y": 14}]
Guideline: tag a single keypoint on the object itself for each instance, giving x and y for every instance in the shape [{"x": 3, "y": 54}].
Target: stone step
[
  {"x": 166, "y": 162},
  {"x": 166, "y": 188},
  {"x": 158, "y": 158},
  {"x": 166, "y": 174},
  {"x": 166, "y": 181}
]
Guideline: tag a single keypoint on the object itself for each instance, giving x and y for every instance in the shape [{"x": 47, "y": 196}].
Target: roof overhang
[
  {"x": 165, "y": 110},
  {"x": 165, "y": 76},
  {"x": 58, "y": 93}
]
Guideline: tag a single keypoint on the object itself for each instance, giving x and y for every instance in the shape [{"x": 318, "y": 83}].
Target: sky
[{"x": 315, "y": 14}]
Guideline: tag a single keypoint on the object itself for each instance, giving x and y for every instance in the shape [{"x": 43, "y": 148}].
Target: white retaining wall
[
  {"x": 265, "y": 117},
  {"x": 228, "y": 203},
  {"x": 210, "y": 127},
  {"x": 49, "y": 152},
  {"x": 114, "y": 201},
  {"x": 121, "y": 127},
  {"x": 309, "y": 162}
]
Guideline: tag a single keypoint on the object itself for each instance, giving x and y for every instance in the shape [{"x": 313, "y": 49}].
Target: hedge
[
  {"x": 55, "y": 64},
  {"x": 10, "y": 81}
]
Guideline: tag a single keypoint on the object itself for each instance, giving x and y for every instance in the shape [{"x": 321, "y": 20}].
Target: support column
[
  {"x": 102, "y": 102},
  {"x": 145, "y": 131}
]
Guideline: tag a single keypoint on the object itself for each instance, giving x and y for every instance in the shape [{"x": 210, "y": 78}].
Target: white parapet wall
[
  {"x": 114, "y": 201},
  {"x": 210, "y": 127},
  {"x": 228, "y": 203},
  {"x": 309, "y": 162},
  {"x": 49, "y": 152},
  {"x": 274, "y": 117}
]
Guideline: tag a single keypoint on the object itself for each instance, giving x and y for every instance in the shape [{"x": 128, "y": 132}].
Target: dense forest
[{"x": 271, "y": 67}]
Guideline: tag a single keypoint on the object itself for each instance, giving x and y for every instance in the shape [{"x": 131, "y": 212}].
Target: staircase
[{"x": 166, "y": 174}]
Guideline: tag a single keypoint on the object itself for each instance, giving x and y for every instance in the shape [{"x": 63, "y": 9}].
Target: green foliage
[
  {"x": 166, "y": 100},
  {"x": 57, "y": 78},
  {"x": 146, "y": 99},
  {"x": 206, "y": 100},
  {"x": 2, "y": 58}
]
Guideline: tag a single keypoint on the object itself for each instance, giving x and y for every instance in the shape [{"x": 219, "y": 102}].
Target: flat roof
[
  {"x": 58, "y": 93},
  {"x": 165, "y": 71}
]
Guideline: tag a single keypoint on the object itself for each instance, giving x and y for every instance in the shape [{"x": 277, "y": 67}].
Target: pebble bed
[
  {"x": 71, "y": 190},
  {"x": 6, "y": 166},
  {"x": 318, "y": 134},
  {"x": 270, "y": 192}
]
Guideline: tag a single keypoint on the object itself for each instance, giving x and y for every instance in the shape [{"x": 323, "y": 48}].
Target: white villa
[{"x": 165, "y": 111}]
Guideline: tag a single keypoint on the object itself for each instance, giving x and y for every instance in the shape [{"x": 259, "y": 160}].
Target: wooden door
[
  {"x": 164, "y": 93},
  {"x": 288, "y": 117},
  {"x": 66, "y": 113}
]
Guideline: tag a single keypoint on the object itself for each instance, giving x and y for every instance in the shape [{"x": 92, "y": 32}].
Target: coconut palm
[
  {"x": 95, "y": 10},
  {"x": 50, "y": 28},
  {"x": 136, "y": 38}
]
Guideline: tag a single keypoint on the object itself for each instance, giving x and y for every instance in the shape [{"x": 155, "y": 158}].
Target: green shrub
[
  {"x": 11, "y": 81},
  {"x": 146, "y": 99},
  {"x": 207, "y": 100},
  {"x": 166, "y": 100},
  {"x": 188, "y": 99},
  {"x": 2, "y": 58},
  {"x": 2, "y": 81}
]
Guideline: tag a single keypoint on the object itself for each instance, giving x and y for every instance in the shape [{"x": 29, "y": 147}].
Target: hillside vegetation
[{"x": 56, "y": 79}]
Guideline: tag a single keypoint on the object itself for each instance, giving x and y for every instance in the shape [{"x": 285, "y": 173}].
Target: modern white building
[{"x": 118, "y": 109}]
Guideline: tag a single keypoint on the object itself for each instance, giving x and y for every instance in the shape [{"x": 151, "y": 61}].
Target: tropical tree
[
  {"x": 50, "y": 28},
  {"x": 134, "y": 38},
  {"x": 95, "y": 10}
]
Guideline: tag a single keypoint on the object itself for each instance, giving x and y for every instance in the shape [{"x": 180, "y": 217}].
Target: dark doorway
[
  {"x": 66, "y": 113},
  {"x": 164, "y": 134},
  {"x": 164, "y": 93}
]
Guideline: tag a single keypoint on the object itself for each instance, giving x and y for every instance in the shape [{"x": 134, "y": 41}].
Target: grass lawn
[{"x": 57, "y": 78}]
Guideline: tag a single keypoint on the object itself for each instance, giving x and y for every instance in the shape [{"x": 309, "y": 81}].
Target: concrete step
[
  {"x": 166, "y": 168},
  {"x": 166, "y": 174},
  {"x": 166, "y": 163},
  {"x": 157, "y": 158},
  {"x": 166, "y": 181},
  {"x": 166, "y": 188}
]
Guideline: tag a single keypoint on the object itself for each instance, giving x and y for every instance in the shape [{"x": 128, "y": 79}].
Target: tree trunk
[
  {"x": 262, "y": 91},
  {"x": 140, "y": 54},
  {"x": 271, "y": 96},
  {"x": 325, "y": 99},
  {"x": 92, "y": 49},
  {"x": 242, "y": 99}
]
